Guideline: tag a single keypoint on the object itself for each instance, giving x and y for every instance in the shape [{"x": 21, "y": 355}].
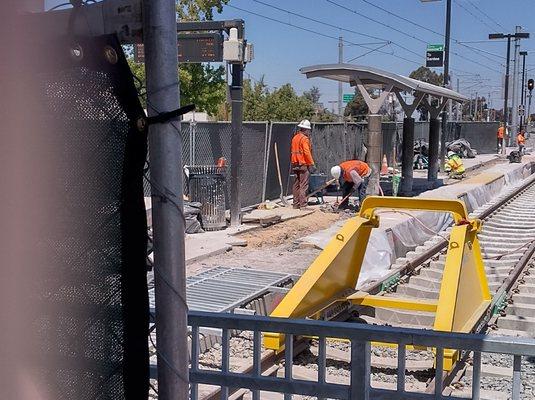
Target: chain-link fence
[{"x": 205, "y": 142}]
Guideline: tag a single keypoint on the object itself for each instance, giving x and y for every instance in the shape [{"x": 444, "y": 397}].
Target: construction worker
[
  {"x": 454, "y": 165},
  {"x": 499, "y": 137},
  {"x": 302, "y": 163},
  {"x": 521, "y": 141},
  {"x": 353, "y": 175}
]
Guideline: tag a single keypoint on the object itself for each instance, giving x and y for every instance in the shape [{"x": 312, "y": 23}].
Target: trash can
[{"x": 207, "y": 184}]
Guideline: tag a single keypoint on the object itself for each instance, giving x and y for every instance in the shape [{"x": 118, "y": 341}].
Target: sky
[{"x": 290, "y": 34}]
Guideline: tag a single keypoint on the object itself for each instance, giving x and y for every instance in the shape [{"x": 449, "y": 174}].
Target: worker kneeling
[
  {"x": 454, "y": 166},
  {"x": 353, "y": 175}
]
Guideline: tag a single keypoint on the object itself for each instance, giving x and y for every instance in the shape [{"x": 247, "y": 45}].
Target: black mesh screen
[{"x": 92, "y": 282}]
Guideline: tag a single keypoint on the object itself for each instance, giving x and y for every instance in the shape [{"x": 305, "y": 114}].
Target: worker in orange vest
[
  {"x": 521, "y": 141},
  {"x": 353, "y": 175},
  {"x": 302, "y": 163},
  {"x": 499, "y": 137}
]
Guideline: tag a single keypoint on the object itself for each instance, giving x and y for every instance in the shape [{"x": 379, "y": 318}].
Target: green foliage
[
  {"x": 198, "y": 10},
  {"x": 202, "y": 85},
  {"x": 425, "y": 74},
  {"x": 313, "y": 95},
  {"x": 357, "y": 108},
  {"x": 283, "y": 104}
]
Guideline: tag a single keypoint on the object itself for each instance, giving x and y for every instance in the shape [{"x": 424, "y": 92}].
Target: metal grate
[{"x": 222, "y": 289}]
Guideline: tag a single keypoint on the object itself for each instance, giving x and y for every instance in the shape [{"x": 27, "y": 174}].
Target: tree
[
  {"x": 255, "y": 106},
  {"x": 200, "y": 84},
  {"x": 198, "y": 10},
  {"x": 357, "y": 107},
  {"x": 285, "y": 105},
  {"x": 425, "y": 74},
  {"x": 313, "y": 95}
]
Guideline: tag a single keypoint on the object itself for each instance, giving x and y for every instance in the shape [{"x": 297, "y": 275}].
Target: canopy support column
[
  {"x": 434, "y": 139},
  {"x": 407, "y": 157}
]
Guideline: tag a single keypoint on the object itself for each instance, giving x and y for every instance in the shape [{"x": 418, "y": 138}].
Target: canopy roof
[{"x": 374, "y": 77}]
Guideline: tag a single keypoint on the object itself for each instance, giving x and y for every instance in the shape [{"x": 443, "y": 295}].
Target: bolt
[
  {"x": 111, "y": 55},
  {"x": 77, "y": 53}
]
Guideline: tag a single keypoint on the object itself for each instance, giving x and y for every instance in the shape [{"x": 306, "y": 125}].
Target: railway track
[{"x": 508, "y": 248}]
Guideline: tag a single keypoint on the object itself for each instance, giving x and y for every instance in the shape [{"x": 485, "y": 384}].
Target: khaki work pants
[{"x": 300, "y": 187}]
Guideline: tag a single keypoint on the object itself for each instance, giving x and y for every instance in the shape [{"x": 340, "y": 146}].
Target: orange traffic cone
[{"x": 384, "y": 166}]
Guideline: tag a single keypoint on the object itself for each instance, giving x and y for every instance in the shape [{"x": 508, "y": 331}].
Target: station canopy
[{"x": 376, "y": 78}]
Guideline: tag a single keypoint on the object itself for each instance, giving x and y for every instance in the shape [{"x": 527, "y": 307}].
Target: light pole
[
  {"x": 523, "y": 90},
  {"x": 517, "y": 35}
]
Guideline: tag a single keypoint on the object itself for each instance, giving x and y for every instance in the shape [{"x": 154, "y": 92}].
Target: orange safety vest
[
  {"x": 360, "y": 166},
  {"x": 501, "y": 132},
  {"x": 520, "y": 139},
  {"x": 301, "y": 152}
]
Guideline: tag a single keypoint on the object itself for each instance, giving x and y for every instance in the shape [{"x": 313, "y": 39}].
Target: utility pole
[
  {"x": 517, "y": 35},
  {"x": 514, "y": 102},
  {"x": 522, "y": 91},
  {"x": 165, "y": 150},
  {"x": 459, "y": 105},
  {"x": 340, "y": 87}
]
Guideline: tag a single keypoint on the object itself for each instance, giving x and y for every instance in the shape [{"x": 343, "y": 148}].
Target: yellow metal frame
[{"x": 332, "y": 277}]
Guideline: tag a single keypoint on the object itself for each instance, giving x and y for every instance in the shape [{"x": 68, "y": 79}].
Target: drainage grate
[{"x": 222, "y": 289}]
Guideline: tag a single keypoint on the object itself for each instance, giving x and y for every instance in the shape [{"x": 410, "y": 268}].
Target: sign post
[{"x": 434, "y": 56}]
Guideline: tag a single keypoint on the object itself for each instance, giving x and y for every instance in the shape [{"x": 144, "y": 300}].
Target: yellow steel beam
[
  {"x": 363, "y": 299},
  {"x": 455, "y": 207}
]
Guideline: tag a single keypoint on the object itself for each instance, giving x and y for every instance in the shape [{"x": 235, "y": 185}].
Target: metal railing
[{"x": 360, "y": 336}]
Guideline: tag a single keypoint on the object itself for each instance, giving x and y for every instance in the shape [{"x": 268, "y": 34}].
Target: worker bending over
[
  {"x": 521, "y": 141},
  {"x": 454, "y": 165},
  {"x": 302, "y": 163},
  {"x": 353, "y": 175},
  {"x": 499, "y": 137}
]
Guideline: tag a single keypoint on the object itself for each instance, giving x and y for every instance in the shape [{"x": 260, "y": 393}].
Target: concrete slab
[{"x": 279, "y": 214}]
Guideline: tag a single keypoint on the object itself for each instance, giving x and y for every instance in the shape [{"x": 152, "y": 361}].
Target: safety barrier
[
  {"x": 332, "y": 277},
  {"x": 361, "y": 337}
]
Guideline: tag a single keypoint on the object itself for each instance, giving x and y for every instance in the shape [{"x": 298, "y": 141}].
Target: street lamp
[{"x": 517, "y": 35}]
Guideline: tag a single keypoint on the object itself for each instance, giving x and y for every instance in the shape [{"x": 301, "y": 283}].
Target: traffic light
[{"x": 531, "y": 84}]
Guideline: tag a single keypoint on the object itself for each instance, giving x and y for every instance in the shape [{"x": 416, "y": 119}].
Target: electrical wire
[
  {"x": 473, "y": 49},
  {"x": 419, "y": 39},
  {"x": 486, "y": 15},
  {"x": 474, "y": 15},
  {"x": 320, "y": 33}
]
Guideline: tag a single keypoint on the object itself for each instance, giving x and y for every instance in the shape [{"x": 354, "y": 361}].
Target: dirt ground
[{"x": 273, "y": 248}]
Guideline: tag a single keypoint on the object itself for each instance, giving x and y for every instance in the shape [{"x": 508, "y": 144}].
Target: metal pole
[
  {"x": 434, "y": 132},
  {"x": 475, "y": 108},
  {"x": 340, "y": 88},
  {"x": 407, "y": 161},
  {"x": 529, "y": 107},
  {"x": 236, "y": 95},
  {"x": 459, "y": 105},
  {"x": 446, "y": 82},
  {"x": 514, "y": 97},
  {"x": 522, "y": 91},
  {"x": 506, "y": 94},
  {"x": 161, "y": 63}
]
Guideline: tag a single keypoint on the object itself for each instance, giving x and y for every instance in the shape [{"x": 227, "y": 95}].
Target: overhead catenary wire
[
  {"x": 419, "y": 39},
  {"x": 477, "y": 17},
  {"x": 486, "y": 15},
  {"x": 473, "y": 49},
  {"x": 322, "y": 34}
]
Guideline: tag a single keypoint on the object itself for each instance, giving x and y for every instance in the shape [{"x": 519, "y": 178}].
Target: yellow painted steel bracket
[{"x": 464, "y": 292}]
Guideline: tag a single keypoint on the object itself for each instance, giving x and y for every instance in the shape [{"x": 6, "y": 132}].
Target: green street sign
[
  {"x": 435, "y": 47},
  {"x": 347, "y": 97}
]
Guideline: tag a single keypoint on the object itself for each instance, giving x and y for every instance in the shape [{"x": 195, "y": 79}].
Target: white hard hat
[
  {"x": 336, "y": 171},
  {"x": 451, "y": 153},
  {"x": 305, "y": 124}
]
